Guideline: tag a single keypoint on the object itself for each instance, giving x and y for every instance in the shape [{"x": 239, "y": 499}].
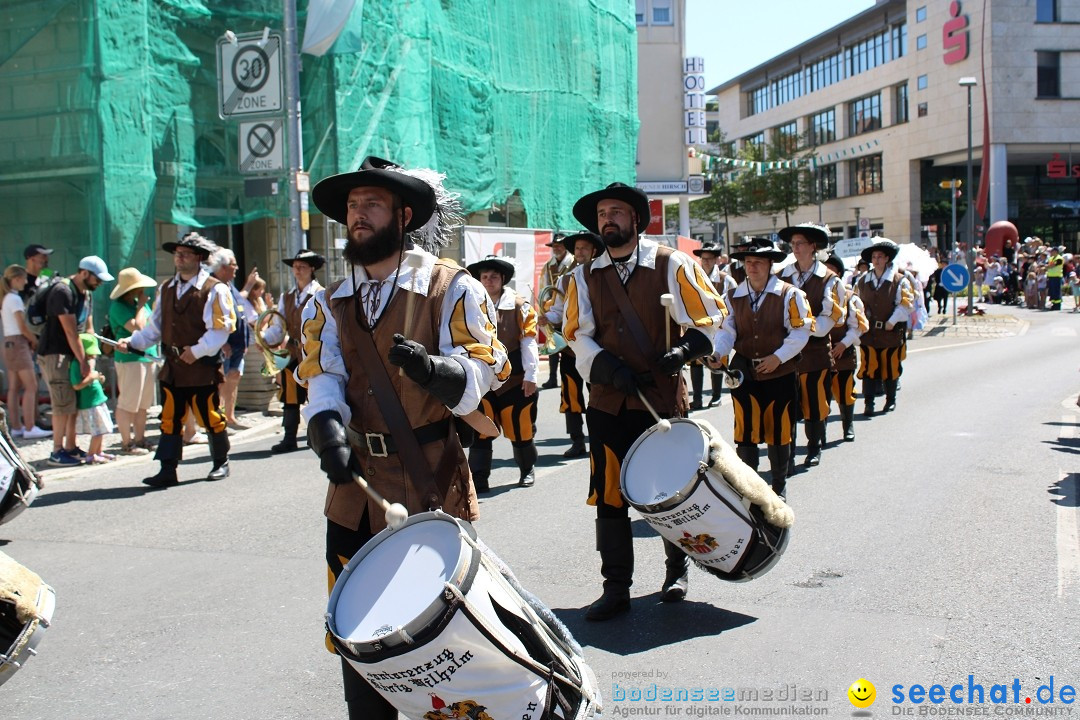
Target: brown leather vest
[
  {"x": 817, "y": 355},
  {"x": 182, "y": 325},
  {"x": 293, "y": 312},
  {"x": 761, "y": 333},
  {"x": 345, "y": 504},
  {"x": 509, "y": 332},
  {"x": 644, "y": 289},
  {"x": 738, "y": 274},
  {"x": 880, "y": 303},
  {"x": 846, "y": 360}
]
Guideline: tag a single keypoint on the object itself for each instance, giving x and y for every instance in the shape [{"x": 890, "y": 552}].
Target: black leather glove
[
  {"x": 607, "y": 369},
  {"x": 326, "y": 436},
  {"x": 441, "y": 376},
  {"x": 692, "y": 346},
  {"x": 412, "y": 357}
]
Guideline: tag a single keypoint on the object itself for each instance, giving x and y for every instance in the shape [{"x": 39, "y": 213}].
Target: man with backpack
[{"x": 67, "y": 308}]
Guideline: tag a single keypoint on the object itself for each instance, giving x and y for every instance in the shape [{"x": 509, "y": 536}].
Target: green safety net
[{"x": 109, "y": 111}]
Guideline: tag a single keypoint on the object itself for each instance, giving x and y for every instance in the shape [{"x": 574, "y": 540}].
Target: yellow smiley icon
[{"x": 862, "y": 693}]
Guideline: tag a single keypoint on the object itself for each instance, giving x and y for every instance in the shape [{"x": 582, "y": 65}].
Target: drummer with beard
[
  {"x": 512, "y": 407},
  {"x": 768, "y": 324},
  {"x": 825, "y": 293},
  {"x": 450, "y": 360},
  {"x": 585, "y": 246},
  {"x": 616, "y": 324}
]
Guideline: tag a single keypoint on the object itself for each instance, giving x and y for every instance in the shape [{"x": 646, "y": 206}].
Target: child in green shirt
[{"x": 94, "y": 418}]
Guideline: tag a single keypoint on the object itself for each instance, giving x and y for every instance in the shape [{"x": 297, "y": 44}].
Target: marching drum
[
  {"x": 18, "y": 486},
  {"x": 26, "y": 608},
  {"x": 668, "y": 477},
  {"x": 434, "y": 621}
]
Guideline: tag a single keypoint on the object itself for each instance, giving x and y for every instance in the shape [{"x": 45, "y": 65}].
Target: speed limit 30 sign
[{"x": 249, "y": 75}]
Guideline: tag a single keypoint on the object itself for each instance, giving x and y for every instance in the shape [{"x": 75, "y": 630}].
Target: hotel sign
[{"x": 694, "y": 101}]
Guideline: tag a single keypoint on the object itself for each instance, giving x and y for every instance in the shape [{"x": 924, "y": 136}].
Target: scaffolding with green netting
[{"x": 109, "y": 119}]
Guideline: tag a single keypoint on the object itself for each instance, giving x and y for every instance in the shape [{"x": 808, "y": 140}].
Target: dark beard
[
  {"x": 381, "y": 245},
  {"x": 617, "y": 238}
]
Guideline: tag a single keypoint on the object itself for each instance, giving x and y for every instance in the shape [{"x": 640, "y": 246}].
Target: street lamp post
[{"x": 970, "y": 82}]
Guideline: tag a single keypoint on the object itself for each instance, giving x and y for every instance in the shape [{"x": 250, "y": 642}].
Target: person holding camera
[
  {"x": 193, "y": 317},
  {"x": 768, "y": 324}
]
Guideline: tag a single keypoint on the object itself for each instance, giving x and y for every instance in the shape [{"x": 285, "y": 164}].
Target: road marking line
[
  {"x": 944, "y": 347},
  {"x": 1068, "y": 529},
  {"x": 1064, "y": 332}
]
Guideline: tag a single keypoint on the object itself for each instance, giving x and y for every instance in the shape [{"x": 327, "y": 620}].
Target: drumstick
[
  {"x": 667, "y": 300},
  {"x": 662, "y": 424},
  {"x": 413, "y": 260},
  {"x": 396, "y": 514},
  {"x": 131, "y": 350}
]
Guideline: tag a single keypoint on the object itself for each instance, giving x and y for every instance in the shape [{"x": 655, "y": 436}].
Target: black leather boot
[
  {"x": 869, "y": 393},
  {"x": 778, "y": 464},
  {"x": 291, "y": 422},
  {"x": 890, "y": 395},
  {"x": 170, "y": 450},
  {"x": 717, "y": 388},
  {"x": 814, "y": 431},
  {"x": 697, "y": 381},
  {"x": 553, "y": 372},
  {"x": 616, "y": 545},
  {"x": 480, "y": 464},
  {"x": 525, "y": 457},
  {"x": 791, "y": 469},
  {"x": 847, "y": 416},
  {"x": 676, "y": 577},
  {"x": 748, "y": 454},
  {"x": 219, "y": 452},
  {"x": 574, "y": 428}
]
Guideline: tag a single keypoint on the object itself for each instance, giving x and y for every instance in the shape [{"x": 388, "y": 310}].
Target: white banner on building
[{"x": 525, "y": 247}]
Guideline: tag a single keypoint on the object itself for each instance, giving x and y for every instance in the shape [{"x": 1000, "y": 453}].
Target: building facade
[{"x": 877, "y": 103}]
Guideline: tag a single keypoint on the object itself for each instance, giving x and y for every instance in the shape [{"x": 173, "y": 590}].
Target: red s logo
[{"x": 955, "y": 36}]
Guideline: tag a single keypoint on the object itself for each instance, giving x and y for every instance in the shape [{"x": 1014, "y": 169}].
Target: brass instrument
[
  {"x": 554, "y": 341},
  {"x": 274, "y": 361}
]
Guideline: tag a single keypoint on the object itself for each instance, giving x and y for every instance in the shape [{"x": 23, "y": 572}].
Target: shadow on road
[
  {"x": 117, "y": 493},
  {"x": 1066, "y": 491},
  {"x": 1065, "y": 445},
  {"x": 651, "y": 624}
]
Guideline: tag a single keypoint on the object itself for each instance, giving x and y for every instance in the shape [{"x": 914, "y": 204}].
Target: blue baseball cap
[{"x": 94, "y": 264}]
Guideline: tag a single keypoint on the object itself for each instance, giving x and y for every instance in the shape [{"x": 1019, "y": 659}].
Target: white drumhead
[
  {"x": 661, "y": 464},
  {"x": 397, "y": 580}
]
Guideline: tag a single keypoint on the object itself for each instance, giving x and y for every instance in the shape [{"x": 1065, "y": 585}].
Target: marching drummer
[
  {"x": 825, "y": 293},
  {"x": 585, "y": 247},
  {"x": 450, "y": 360},
  {"x": 291, "y": 305},
  {"x": 768, "y": 324},
  {"x": 512, "y": 407},
  {"x": 844, "y": 338},
  {"x": 889, "y": 299},
  {"x": 617, "y": 326}
]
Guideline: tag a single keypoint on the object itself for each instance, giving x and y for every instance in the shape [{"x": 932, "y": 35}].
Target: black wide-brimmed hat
[
  {"x": 817, "y": 234},
  {"x": 192, "y": 240},
  {"x": 836, "y": 263},
  {"x": 557, "y": 239},
  {"x": 493, "y": 262},
  {"x": 884, "y": 245},
  {"x": 708, "y": 248},
  {"x": 331, "y": 194},
  {"x": 742, "y": 242},
  {"x": 585, "y": 208},
  {"x": 312, "y": 258},
  {"x": 571, "y": 240},
  {"x": 760, "y": 248}
]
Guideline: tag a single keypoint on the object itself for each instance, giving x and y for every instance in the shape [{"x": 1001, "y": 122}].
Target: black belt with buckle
[
  {"x": 382, "y": 444},
  {"x": 878, "y": 325}
]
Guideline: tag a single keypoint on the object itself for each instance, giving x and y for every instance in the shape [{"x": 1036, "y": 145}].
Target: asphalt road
[{"x": 942, "y": 543}]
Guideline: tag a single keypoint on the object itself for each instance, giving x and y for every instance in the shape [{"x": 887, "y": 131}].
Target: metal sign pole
[{"x": 295, "y": 240}]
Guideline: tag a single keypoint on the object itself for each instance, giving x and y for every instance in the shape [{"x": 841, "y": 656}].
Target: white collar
[
  {"x": 198, "y": 280},
  {"x": 817, "y": 269},
  {"x": 773, "y": 286},
  {"x": 405, "y": 277},
  {"x": 645, "y": 252},
  {"x": 310, "y": 289},
  {"x": 507, "y": 300}
]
